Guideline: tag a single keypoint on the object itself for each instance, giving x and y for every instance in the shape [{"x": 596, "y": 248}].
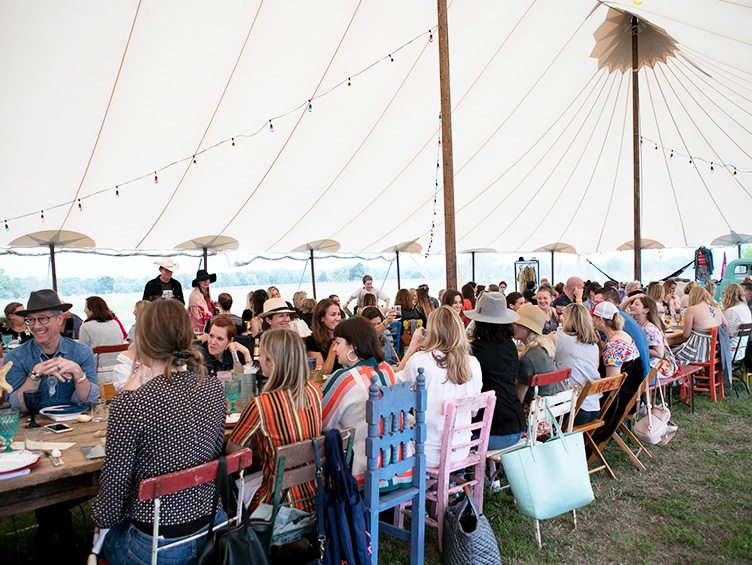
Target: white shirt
[
  {"x": 737, "y": 315},
  {"x": 95, "y": 334},
  {"x": 360, "y": 293},
  {"x": 439, "y": 389},
  {"x": 583, "y": 359}
]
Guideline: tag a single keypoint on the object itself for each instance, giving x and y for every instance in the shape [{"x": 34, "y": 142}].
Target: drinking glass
[
  {"x": 397, "y": 312},
  {"x": 7, "y": 340},
  {"x": 99, "y": 411},
  {"x": 32, "y": 399},
  {"x": 9, "y": 421},
  {"x": 232, "y": 392}
]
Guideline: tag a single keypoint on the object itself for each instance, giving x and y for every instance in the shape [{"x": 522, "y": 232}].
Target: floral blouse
[{"x": 619, "y": 351}]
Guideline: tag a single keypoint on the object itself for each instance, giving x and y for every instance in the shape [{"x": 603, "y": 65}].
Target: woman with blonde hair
[
  {"x": 450, "y": 372},
  {"x": 701, "y": 316},
  {"x": 424, "y": 305},
  {"x": 737, "y": 313},
  {"x": 577, "y": 349},
  {"x": 539, "y": 354},
  {"x": 655, "y": 291},
  {"x": 685, "y": 294},
  {"x": 287, "y": 411},
  {"x": 174, "y": 421},
  {"x": 644, "y": 310}
]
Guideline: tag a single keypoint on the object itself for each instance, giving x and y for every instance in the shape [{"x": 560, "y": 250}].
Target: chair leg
[
  {"x": 640, "y": 446},
  {"x": 399, "y": 515},
  {"x": 374, "y": 532},
  {"x": 635, "y": 461},
  {"x": 574, "y": 518},
  {"x": 599, "y": 454},
  {"x": 538, "y": 534},
  {"x": 417, "y": 532}
]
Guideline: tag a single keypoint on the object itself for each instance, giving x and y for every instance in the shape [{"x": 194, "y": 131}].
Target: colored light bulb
[
  {"x": 271, "y": 127},
  {"x": 156, "y": 178},
  {"x": 80, "y": 206},
  {"x": 310, "y": 106},
  {"x": 233, "y": 142}
]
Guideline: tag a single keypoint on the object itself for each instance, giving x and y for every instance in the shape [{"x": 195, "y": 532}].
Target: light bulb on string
[
  {"x": 671, "y": 156},
  {"x": 391, "y": 58},
  {"x": 712, "y": 167},
  {"x": 349, "y": 83},
  {"x": 42, "y": 216},
  {"x": 80, "y": 206},
  {"x": 233, "y": 142},
  {"x": 271, "y": 127},
  {"x": 156, "y": 178},
  {"x": 656, "y": 147},
  {"x": 640, "y": 141},
  {"x": 733, "y": 173},
  {"x": 7, "y": 228},
  {"x": 195, "y": 163},
  {"x": 690, "y": 159},
  {"x": 310, "y": 106},
  {"x": 117, "y": 191},
  {"x": 430, "y": 36}
]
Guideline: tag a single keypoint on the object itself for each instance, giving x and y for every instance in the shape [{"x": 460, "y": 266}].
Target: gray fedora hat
[
  {"x": 41, "y": 300},
  {"x": 492, "y": 309}
]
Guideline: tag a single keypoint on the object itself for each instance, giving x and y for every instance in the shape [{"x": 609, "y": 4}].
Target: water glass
[
  {"x": 9, "y": 420},
  {"x": 99, "y": 411},
  {"x": 232, "y": 392},
  {"x": 33, "y": 438}
]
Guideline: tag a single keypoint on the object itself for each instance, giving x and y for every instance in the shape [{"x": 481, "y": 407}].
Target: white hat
[
  {"x": 168, "y": 263},
  {"x": 605, "y": 310},
  {"x": 275, "y": 306}
]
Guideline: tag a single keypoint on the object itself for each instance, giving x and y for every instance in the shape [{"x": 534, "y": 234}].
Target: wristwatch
[{"x": 34, "y": 376}]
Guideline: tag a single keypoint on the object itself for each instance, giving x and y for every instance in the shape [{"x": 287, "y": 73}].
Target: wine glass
[
  {"x": 32, "y": 399},
  {"x": 9, "y": 421},
  {"x": 232, "y": 392}
]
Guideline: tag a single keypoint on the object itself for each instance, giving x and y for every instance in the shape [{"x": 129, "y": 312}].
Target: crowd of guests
[{"x": 170, "y": 410}]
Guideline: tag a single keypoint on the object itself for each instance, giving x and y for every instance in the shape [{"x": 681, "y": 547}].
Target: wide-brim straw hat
[
  {"x": 275, "y": 306},
  {"x": 532, "y": 318},
  {"x": 492, "y": 309},
  {"x": 42, "y": 300}
]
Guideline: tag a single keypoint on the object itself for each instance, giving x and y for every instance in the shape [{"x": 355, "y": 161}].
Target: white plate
[
  {"x": 14, "y": 460},
  {"x": 232, "y": 418},
  {"x": 50, "y": 413}
]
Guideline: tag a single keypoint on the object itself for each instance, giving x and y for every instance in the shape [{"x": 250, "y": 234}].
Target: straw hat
[
  {"x": 492, "y": 309},
  {"x": 532, "y": 318},
  {"x": 275, "y": 306}
]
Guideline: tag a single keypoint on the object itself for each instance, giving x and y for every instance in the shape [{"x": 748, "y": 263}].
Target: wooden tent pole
[
  {"x": 206, "y": 259},
  {"x": 450, "y": 243},
  {"x": 472, "y": 264},
  {"x": 54, "y": 267},
  {"x": 553, "y": 280},
  {"x": 313, "y": 276},
  {"x": 636, "y": 152},
  {"x": 399, "y": 282}
]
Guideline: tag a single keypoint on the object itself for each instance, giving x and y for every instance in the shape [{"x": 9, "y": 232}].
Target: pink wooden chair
[
  {"x": 154, "y": 488},
  {"x": 438, "y": 489}
]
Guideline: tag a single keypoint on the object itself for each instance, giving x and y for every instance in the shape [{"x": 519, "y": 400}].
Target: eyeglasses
[
  {"x": 16, "y": 313},
  {"x": 42, "y": 320}
]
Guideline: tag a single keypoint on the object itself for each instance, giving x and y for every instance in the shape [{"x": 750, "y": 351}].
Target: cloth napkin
[{"x": 41, "y": 445}]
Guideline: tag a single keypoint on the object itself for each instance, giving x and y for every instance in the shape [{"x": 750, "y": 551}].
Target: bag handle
[
  {"x": 319, "y": 499},
  {"x": 647, "y": 398}
]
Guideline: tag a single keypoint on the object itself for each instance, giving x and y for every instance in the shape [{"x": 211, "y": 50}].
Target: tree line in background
[{"x": 14, "y": 287}]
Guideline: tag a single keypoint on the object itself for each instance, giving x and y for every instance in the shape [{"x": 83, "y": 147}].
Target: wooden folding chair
[
  {"x": 604, "y": 387},
  {"x": 155, "y": 488},
  {"x": 294, "y": 465}
]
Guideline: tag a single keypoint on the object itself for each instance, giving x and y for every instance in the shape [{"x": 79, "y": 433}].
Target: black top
[
  {"x": 411, "y": 314},
  {"x": 214, "y": 365},
  {"x": 155, "y": 287},
  {"x": 498, "y": 362},
  {"x": 22, "y": 336},
  {"x": 312, "y": 347},
  {"x": 561, "y": 300},
  {"x": 161, "y": 427}
]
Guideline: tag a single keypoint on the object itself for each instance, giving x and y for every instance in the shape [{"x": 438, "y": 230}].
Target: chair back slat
[
  {"x": 155, "y": 487},
  {"x": 120, "y": 347},
  {"x": 542, "y": 379}
]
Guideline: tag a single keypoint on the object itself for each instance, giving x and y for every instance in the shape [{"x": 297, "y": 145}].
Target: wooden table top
[
  {"x": 675, "y": 335},
  {"x": 74, "y": 461}
]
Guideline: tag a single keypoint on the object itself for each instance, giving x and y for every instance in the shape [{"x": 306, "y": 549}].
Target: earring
[{"x": 351, "y": 352}]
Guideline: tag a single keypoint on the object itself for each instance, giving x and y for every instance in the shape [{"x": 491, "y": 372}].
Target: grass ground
[{"x": 693, "y": 504}]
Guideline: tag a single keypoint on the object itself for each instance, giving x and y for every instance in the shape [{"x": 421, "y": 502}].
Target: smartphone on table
[{"x": 58, "y": 428}]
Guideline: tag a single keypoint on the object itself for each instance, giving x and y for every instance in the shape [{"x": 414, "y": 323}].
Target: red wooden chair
[
  {"x": 156, "y": 487},
  {"x": 710, "y": 379},
  {"x": 107, "y": 389},
  {"x": 542, "y": 379}
]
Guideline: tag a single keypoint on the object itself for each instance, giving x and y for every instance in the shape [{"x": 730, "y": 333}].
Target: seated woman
[
  {"x": 217, "y": 350},
  {"x": 253, "y": 313},
  {"x": 346, "y": 391},
  {"x": 644, "y": 310},
  {"x": 671, "y": 303},
  {"x": 494, "y": 349},
  {"x": 320, "y": 344},
  {"x": 452, "y": 297},
  {"x": 405, "y": 301},
  {"x": 539, "y": 354},
  {"x": 175, "y": 421},
  {"x": 737, "y": 312},
  {"x": 655, "y": 291},
  {"x": 424, "y": 306},
  {"x": 14, "y": 327},
  {"x": 100, "y": 327},
  {"x": 577, "y": 349},
  {"x": 545, "y": 297},
  {"x": 307, "y": 307},
  {"x": 381, "y": 325},
  {"x": 287, "y": 411},
  {"x": 701, "y": 316},
  {"x": 451, "y": 373},
  {"x": 137, "y": 309},
  {"x": 515, "y": 300}
]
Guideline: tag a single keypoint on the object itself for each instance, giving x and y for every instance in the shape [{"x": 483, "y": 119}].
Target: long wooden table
[
  {"x": 675, "y": 336},
  {"x": 46, "y": 484}
]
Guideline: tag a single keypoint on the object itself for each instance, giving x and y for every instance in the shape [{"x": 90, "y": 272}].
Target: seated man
[{"x": 63, "y": 368}]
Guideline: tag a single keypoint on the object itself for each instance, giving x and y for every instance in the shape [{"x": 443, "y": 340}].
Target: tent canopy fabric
[{"x": 147, "y": 124}]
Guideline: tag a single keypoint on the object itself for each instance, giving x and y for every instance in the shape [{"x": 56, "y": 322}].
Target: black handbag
[
  {"x": 468, "y": 538},
  {"x": 231, "y": 544}
]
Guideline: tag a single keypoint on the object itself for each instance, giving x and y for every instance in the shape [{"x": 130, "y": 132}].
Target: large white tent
[{"x": 97, "y": 94}]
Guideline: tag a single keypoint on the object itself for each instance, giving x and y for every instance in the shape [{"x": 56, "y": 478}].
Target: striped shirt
[
  {"x": 345, "y": 396},
  {"x": 270, "y": 421}
]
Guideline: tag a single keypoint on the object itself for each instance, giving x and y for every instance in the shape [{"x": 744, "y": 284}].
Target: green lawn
[{"x": 693, "y": 504}]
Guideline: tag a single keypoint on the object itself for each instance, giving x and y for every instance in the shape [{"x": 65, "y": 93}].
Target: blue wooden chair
[
  {"x": 395, "y": 335},
  {"x": 389, "y": 415}
]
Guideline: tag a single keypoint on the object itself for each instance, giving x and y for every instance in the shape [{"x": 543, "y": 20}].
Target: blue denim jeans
[
  {"x": 125, "y": 544},
  {"x": 502, "y": 442}
]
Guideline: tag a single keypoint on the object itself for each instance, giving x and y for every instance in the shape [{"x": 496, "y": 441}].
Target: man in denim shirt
[{"x": 63, "y": 368}]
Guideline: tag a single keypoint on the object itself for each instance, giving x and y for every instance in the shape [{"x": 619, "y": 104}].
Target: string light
[
  {"x": 349, "y": 83},
  {"x": 310, "y": 106},
  {"x": 80, "y": 206},
  {"x": 156, "y": 178},
  {"x": 117, "y": 191},
  {"x": 733, "y": 174},
  {"x": 656, "y": 147},
  {"x": 195, "y": 163},
  {"x": 42, "y": 216},
  {"x": 271, "y": 127},
  {"x": 7, "y": 228},
  {"x": 690, "y": 159},
  {"x": 391, "y": 58},
  {"x": 430, "y": 36},
  {"x": 233, "y": 142},
  {"x": 672, "y": 154},
  {"x": 712, "y": 168},
  {"x": 435, "y": 197},
  {"x": 641, "y": 140}
]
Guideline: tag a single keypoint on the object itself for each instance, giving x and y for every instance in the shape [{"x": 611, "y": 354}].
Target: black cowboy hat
[
  {"x": 203, "y": 275},
  {"x": 42, "y": 300}
]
